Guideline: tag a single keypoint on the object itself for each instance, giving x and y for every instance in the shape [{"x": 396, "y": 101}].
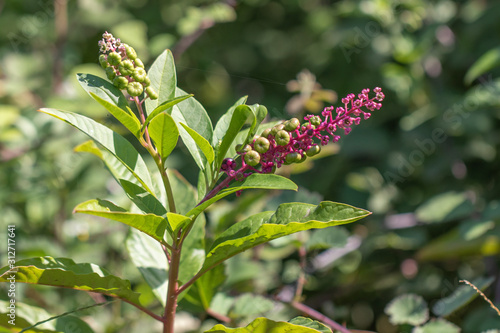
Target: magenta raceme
[{"x": 292, "y": 142}]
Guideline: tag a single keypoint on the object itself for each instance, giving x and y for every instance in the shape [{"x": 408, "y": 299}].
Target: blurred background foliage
[{"x": 426, "y": 164}]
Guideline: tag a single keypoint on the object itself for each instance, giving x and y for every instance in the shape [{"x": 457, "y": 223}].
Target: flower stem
[{"x": 173, "y": 274}]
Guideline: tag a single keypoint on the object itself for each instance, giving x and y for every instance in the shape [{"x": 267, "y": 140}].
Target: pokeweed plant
[{"x": 167, "y": 210}]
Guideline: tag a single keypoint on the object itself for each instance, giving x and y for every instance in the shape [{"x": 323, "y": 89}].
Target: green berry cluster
[{"x": 123, "y": 67}]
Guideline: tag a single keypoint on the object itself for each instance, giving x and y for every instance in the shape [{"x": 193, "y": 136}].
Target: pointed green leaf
[
  {"x": 149, "y": 258},
  {"x": 288, "y": 219},
  {"x": 192, "y": 113},
  {"x": 484, "y": 64},
  {"x": 177, "y": 221},
  {"x": 163, "y": 80},
  {"x": 114, "y": 143},
  {"x": 164, "y": 133},
  {"x": 202, "y": 143},
  {"x": 256, "y": 180},
  {"x": 407, "y": 309},
  {"x": 240, "y": 116},
  {"x": 165, "y": 106},
  {"x": 63, "y": 272},
  {"x": 102, "y": 88},
  {"x": 150, "y": 224},
  {"x": 308, "y": 322},
  {"x": 263, "y": 325},
  {"x": 437, "y": 326},
  {"x": 250, "y": 305},
  {"x": 126, "y": 117},
  {"x": 224, "y": 121},
  {"x": 144, "y": 200},
  {"x": 460, "y": 297},
  {"x": 444, "y": 207}
]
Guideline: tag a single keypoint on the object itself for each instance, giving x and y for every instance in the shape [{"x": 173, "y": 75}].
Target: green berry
[
  {"x": 131, "y": 54},
  {"x": 126, "y": 67},
  {"x": 147, "y": 82},
  {"x": 110, "y": 73},
  {"x": 114, "y": 59},
  {"x": 252, "y": 158},
  {"x": 282, "y": 138},
  {"x": 293, "y": 157},
  {"x": 314, "y": 150},
  {"x": 301, "y": 158},
  {"x": 265, "y": 133},
  {"x": 292, "y": 124},
  {"x": 138, "y": 63},
  {"x": 277, "y": 128},
  {"x": 103, "y": 61},
  {"x": 243, "y": 149},
  {"x": 139, "y": 74},
  {"x": 261, "y": 145},
  {"x": 151, "y": 93},
  {"x": 134, "y": 89},
  {"x": 315, "y": 121},
  {"x": 120, "y": 82}
]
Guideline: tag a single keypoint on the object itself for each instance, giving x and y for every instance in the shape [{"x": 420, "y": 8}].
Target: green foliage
[
  {"x": 264, "y": 325},
  {"x": 408, "y": 309}
]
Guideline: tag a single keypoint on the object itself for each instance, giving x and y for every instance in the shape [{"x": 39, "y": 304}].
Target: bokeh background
[{"x": 426, "y": 164}]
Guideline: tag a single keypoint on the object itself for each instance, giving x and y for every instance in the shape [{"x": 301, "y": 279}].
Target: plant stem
[{"x": 173, "y": 274}]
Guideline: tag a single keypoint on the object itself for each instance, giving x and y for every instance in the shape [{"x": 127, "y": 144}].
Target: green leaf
[
  {"x": 437, "y": 326},
  {"x": 308, "y": 322},
  {"x": 163, "y": 80},
  {"x": 164, "y": 133},
  {"x": 26, "y": 315},
  {"x": 249, "y": 305},
  {"x": 165, "y": 106},
  {"x": 202, "y": 143},
  {"x": 462, "y": 296},
  {"x": 149, "y": 224},
  {"x": 264, "y": 325},
  {"x": 192, "y": 113},
  {"x": 444, "y": 207},
  {"x": 63, "y": 272},
  {"x": 177, "y": 221},
  {"x": 102, "y": 88},
  {"x": 260, "y": 113},
  {"x": 407, "y": 309},
  {"x": 144, "y": 200},
  {"x": 118, "y": 146},
  {"x": 203, "y": 290},
  {"x": 484, "y": 64},
  {"x": 256, "y": 180},
  {"x": 240, "y": 116},
  {"x": 224, "y": 121},
  {"x": 149, "y": 258},
  {"x": 126, "y": 117},
  {"x": 288, "y": 219}
]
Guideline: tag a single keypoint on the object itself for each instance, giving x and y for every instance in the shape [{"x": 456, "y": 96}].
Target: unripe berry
[
  {"x": 243, "y": 149},
  {"x": 139, "y": 74},
  {"x": 151, "y": 93},
  {"x": 252, "y": 158},
  {"x": 147, "y": 82},
  {"x": 315, "y": 121},
  {"x": 265, "y": 133},
  {"x": 293, "y": 157},
  {"x": 131, "y": 54},
  {"x": 138, "y": 63},
  {"x": 126, "y": 67},
  {"x": 110, "y": 73},
  {"x": 261, "y": 145},
  {"x": 314, "y": 150},
  {"x": 282, "y": 138},
  {"x": 134, "y": 89},
  {"x": 277, "y": 128},
  {"x": 114, "y": 59},
  {"x": 292, "y": 124},
  {"x": 120, "y": 82},
  {"x": 103, "y": 61}
]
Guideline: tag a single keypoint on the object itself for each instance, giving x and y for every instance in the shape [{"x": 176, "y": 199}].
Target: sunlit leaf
[
  {"x": 437, "y": 326},
  {"x": 407, "y": 309},
  {"x": 163, "y": 80},
  {"x": 102, "y": 88},
  {"x": 264, "y": 325},
  {"x": 308, "y": 322},
  {"x": 484, "y": 64},
  {"x": 164, "y": 133},
  {"x": 202, "y": 143}
]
